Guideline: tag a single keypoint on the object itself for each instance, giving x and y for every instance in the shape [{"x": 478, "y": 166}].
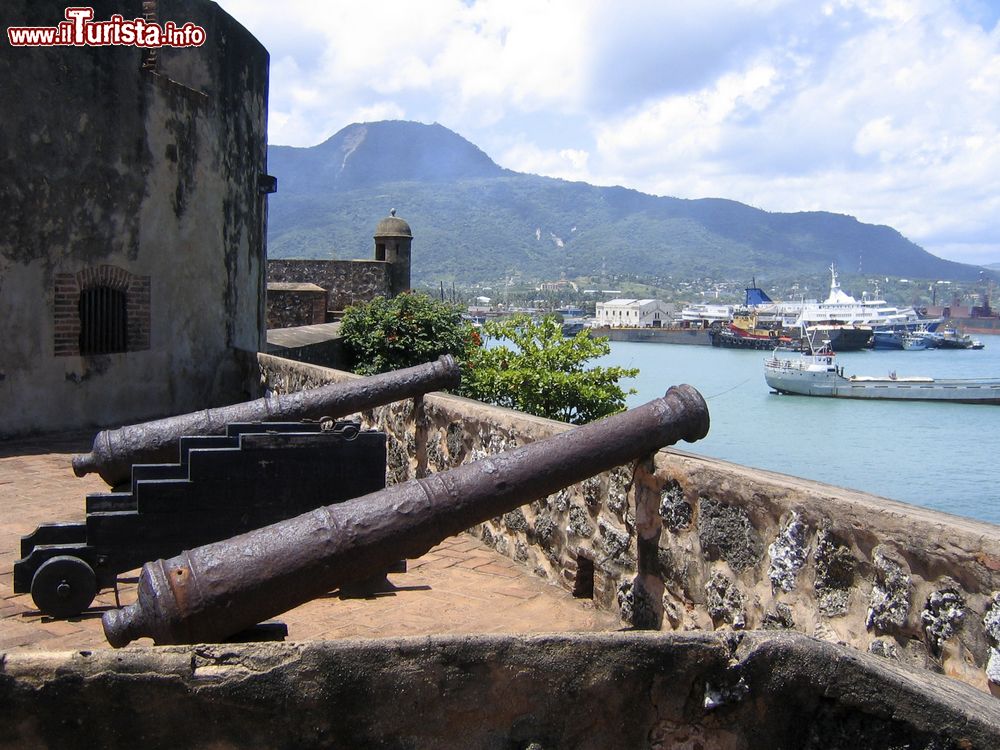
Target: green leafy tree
[
  {"x": 544, "y": 372},
  {"x": 410, "y": 329}
]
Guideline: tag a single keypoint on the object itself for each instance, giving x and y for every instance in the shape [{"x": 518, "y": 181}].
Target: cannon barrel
[
  {"x": 114, "y": 451},
  {"x": 215, "y": 591}
]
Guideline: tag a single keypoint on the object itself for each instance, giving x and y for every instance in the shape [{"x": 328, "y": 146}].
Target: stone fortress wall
[
  {"x": 132, "y": 259},
  {"x": 687, "y": 543},
  {"x": 347, "y": 282},
  {"x": 592, "y": 691},
  {"x": 295, "y": 304}
]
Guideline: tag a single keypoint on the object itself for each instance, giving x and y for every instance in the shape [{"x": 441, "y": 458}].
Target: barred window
[{"x": 103, "y": 320}]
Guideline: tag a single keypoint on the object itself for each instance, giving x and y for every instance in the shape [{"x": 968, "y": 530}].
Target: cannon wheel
[{"x": 63, "y": 586}]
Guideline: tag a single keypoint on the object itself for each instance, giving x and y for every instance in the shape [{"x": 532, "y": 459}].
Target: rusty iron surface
[
  {"x": 115, "y": 451},
  {"x": 211, "y": 592}
]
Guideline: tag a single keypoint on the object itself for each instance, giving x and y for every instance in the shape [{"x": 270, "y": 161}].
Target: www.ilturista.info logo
[{"x": 80, "y": 30}]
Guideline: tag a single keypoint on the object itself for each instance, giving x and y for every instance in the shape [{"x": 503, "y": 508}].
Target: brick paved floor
[{"x": 460, "y": 586}]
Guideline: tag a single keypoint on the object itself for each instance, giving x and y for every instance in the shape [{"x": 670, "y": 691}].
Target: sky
[{"x": 888, "y": 110}]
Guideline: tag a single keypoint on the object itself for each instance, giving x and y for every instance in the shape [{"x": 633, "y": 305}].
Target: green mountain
[{"x": 475, "y": 221}]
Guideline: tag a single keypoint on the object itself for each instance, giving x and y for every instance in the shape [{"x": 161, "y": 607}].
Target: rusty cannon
[
  {"x": 115, "y": 451},
  {"x": 212, "y": 592}
]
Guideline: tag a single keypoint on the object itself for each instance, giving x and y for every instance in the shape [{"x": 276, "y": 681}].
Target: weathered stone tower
[
  {"x": 392, "y": 244},
  {"x": 132, "y": 236}
]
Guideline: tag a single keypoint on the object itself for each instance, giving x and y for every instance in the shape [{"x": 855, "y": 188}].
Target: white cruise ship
[{"x": 842, "y": 308}]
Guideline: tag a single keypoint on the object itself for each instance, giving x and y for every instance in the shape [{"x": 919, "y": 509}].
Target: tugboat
[
  {"x": 949, "y": 338},
  {"x": 746, "y": 331}
]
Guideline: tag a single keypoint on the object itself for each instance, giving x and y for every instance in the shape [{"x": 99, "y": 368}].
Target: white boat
[
  {"x": 817, "y": 374},
  {"x": 844, "y": 309},
  {"x": 848, "y": 322},
  {"x": 915, "y": 341},
  {"x": 868, "y": 311}
]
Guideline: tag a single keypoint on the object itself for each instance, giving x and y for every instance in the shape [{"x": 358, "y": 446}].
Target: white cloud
[
  {"x": 885, "y": 109},
  {"x": 379, "y": 111},
  {"x": 468, "y": 65},
  {"x": 679, "y": 130},
  {"x": 892, "y": 127},
  {"x": 567, "y": 163}
]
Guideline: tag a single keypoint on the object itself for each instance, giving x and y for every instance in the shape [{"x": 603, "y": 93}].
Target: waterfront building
[{"x": 632, "y": 313}]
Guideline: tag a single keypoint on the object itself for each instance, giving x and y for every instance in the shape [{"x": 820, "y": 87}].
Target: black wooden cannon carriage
[{"x": 254, "y": 475}]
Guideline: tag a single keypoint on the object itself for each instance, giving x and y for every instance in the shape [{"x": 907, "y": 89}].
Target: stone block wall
[
  {"x": 290, "y": 305},
  {"x": 725, "y": 546},
  {"x": 347, "y": 282},
  {"x": 678, "y": 541}
]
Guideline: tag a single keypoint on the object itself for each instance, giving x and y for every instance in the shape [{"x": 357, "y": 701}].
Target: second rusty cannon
[
  {"x": 115, "y": 451},
  {"x": 212, "y": 592}
]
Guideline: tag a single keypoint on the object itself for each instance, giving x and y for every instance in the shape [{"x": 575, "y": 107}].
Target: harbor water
[{"x": 938, "y": 455}]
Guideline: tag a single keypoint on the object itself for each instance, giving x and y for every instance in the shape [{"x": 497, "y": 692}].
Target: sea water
[{"x": 938, "y": 455}]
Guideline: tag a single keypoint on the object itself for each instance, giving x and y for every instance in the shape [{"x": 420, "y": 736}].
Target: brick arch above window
[
  {"x": 109, "y": 276},
  {"x": 66, "y": 313}
]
